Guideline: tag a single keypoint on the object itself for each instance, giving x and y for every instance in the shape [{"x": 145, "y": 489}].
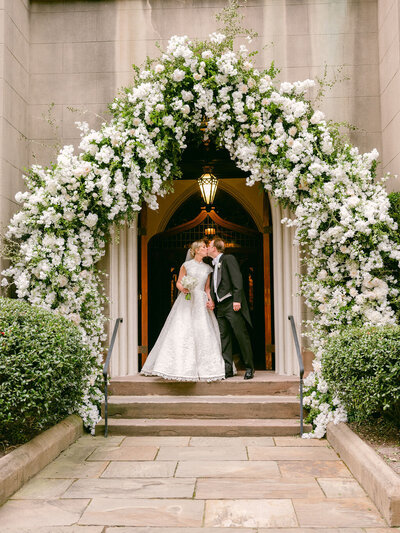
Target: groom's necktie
[{"x": 215, "y": 276}]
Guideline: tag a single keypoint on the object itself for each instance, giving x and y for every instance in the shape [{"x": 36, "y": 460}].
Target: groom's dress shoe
[
  {"x": 229, "y": 374},
  {"x": 249, "y": 373}
]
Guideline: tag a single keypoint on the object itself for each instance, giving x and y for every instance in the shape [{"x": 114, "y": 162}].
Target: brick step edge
[
  {"x": 221, "y": 388},
  {"x": 208, "y": 407},
  {"x": 237, "y": 399},
  {"x": 203, "y": 427}
]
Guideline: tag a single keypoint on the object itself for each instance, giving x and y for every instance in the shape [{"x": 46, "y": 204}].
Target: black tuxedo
[{"x": 230, "y": 281}]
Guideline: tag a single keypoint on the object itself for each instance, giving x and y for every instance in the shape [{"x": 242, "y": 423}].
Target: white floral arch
[{"x": 197, "y": 91}]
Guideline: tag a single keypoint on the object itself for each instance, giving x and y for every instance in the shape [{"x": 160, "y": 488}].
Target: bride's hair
[{"x": 194, "y": 247}]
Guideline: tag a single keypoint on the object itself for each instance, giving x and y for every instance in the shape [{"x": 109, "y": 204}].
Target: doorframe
[{"x": 269, "y": 347}]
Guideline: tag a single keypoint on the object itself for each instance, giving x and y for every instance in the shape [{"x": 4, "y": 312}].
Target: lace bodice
[{"x": 200, "y": 271}]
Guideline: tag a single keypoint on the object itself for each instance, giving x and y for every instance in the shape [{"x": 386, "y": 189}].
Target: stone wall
[
  {"x": 82, "y": 52},
  {"x": 389, "y": 75},
  {"x": 14, "y": 97}
]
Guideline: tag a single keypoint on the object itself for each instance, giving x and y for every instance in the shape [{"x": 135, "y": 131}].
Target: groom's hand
[{"x": 237, "y": 306}]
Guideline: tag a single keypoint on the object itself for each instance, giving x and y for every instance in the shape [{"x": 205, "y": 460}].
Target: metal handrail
[
  {"x": 105, "y": 374},
  {"x": 301, "y": 367}
]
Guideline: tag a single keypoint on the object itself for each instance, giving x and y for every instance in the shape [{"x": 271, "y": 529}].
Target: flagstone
[
  {"x": 341, "y": 488},
  {"x": 43, "y": 489},
  {"x": 76, "y": 453},
  {"x": 313, "y": 469},
  {"x": 298, "y": 441},
  {"x": 202, "y": 453},
  {"x": 100, "y": 440},
  {"x": 231, "y": 469},
  {"x": 294, "y": 453},
  {"x": 228, "y": 488},
  {"x": 250, "y": 513},
  {"x": 186, "y": 530},
  {"x": 382, "y": 529},
  {"x": 232, "y": 441},
  {"x": 128, "y": 512},
  {"x": 155, "y": 441},
  {"x": 132, "y": 453},
  {"x": 127, "y": 469},
  {"x": 312, "y": 530},
  {"x": 55, "y": 529},
  {"x": 64, "y": 468},
  {"x": 349, "y": 512},
  {"x": 19, "y": 513},
  {"x": 135, "y": 488}
]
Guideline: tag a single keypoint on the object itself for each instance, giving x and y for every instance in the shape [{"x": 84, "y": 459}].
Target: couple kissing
[{"x": 196, "y": 341}]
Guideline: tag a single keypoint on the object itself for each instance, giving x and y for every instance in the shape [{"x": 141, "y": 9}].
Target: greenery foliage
[
  {"x": 392, "y": 266},
  {"x": 362, "y": 366},
  {"x": 43, "y": 365}
]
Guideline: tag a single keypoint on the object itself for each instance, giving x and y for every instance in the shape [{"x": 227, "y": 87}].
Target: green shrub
[
  {"x": 43, "y": 369},
  {"x": 362, "y": 366},
  {"x": 391, "y": 266}
]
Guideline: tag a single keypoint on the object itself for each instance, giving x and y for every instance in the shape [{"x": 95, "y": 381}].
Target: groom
[{"x": 231, "y": 307}]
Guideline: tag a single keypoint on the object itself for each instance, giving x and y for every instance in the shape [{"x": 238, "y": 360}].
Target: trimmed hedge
[
  {"x": 362, "y": 366},
  {"x": 43, "y": 370}
]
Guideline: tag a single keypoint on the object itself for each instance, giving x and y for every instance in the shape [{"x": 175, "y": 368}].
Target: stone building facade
[{"x": 64, "y": 60}]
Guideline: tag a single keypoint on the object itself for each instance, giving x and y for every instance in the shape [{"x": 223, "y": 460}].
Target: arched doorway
[{"x": 166, "y": 251}]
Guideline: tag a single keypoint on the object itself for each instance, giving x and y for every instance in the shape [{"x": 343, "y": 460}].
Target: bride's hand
[{"x": 185, "y": 291}]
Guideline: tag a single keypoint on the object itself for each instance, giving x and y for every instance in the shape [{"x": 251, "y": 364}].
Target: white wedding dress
[{"x": 189, "y": 345}]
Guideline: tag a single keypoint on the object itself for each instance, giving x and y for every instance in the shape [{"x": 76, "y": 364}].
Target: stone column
[
  {"x": 14, "y": 85},
  {"x": 286, "y": 287},
  {"x": 124, "y": 300},
  {"x": 389, "y": 77}
]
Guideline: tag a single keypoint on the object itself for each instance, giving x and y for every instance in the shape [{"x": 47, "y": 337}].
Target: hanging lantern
[{"x": 208, "y": 184}]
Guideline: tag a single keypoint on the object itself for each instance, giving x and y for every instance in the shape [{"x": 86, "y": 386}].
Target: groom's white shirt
[{"x": 215, "y": 263}]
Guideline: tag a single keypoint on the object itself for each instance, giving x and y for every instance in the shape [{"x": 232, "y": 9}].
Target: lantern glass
[{"x": 208, "y": 184}]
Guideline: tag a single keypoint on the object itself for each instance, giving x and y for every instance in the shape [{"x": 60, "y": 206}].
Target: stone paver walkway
[{"x": 193, "y": 485}]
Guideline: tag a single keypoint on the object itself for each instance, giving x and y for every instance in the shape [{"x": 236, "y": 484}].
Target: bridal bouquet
[{"x": 189, "y": 283}]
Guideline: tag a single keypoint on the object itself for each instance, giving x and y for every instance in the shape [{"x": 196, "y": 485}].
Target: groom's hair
[{"x": 219, "y": 244}]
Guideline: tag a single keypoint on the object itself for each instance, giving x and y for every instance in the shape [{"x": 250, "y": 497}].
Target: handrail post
[
  {"x": 301, "y": 368},
  {"x": 105, "y": 374}
]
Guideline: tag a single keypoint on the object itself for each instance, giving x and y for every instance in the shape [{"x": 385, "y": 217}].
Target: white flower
[
  {"x": 178, "y": 75},
  {"x": 169, "y": 121},
  {"x": 317, "y": 117},
  {"x": 187, "y": 96},
  {"x": 159, "y": 68},
  {"x": 62, "y": 281},
  {"x": 322, "y": 274},
  {"x": 353, "y": 201},
  {"x": 91, "y": 220},
  {"x": 217, "y": 37},
  {"x": 207, "y": 54}
]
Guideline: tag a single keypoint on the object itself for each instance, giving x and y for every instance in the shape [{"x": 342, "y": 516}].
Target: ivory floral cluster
[{"x": 197, "y": 91}]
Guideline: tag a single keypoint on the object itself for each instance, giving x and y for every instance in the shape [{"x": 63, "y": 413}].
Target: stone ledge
[
  {"x": 19, "y": 466},
  {"x": 380, "y": 482}
]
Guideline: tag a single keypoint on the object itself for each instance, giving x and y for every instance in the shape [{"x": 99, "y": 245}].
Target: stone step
[
  {"x": 263, "y": 383},
  {"x": 242, "y": 407},
  {"x": 202, "y": 427}
]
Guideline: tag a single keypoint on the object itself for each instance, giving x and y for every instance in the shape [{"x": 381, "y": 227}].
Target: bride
[{"x": 189, "y": 346}]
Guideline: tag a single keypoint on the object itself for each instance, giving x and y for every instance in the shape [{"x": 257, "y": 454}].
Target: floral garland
[{"x": 199, "y": 91}]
